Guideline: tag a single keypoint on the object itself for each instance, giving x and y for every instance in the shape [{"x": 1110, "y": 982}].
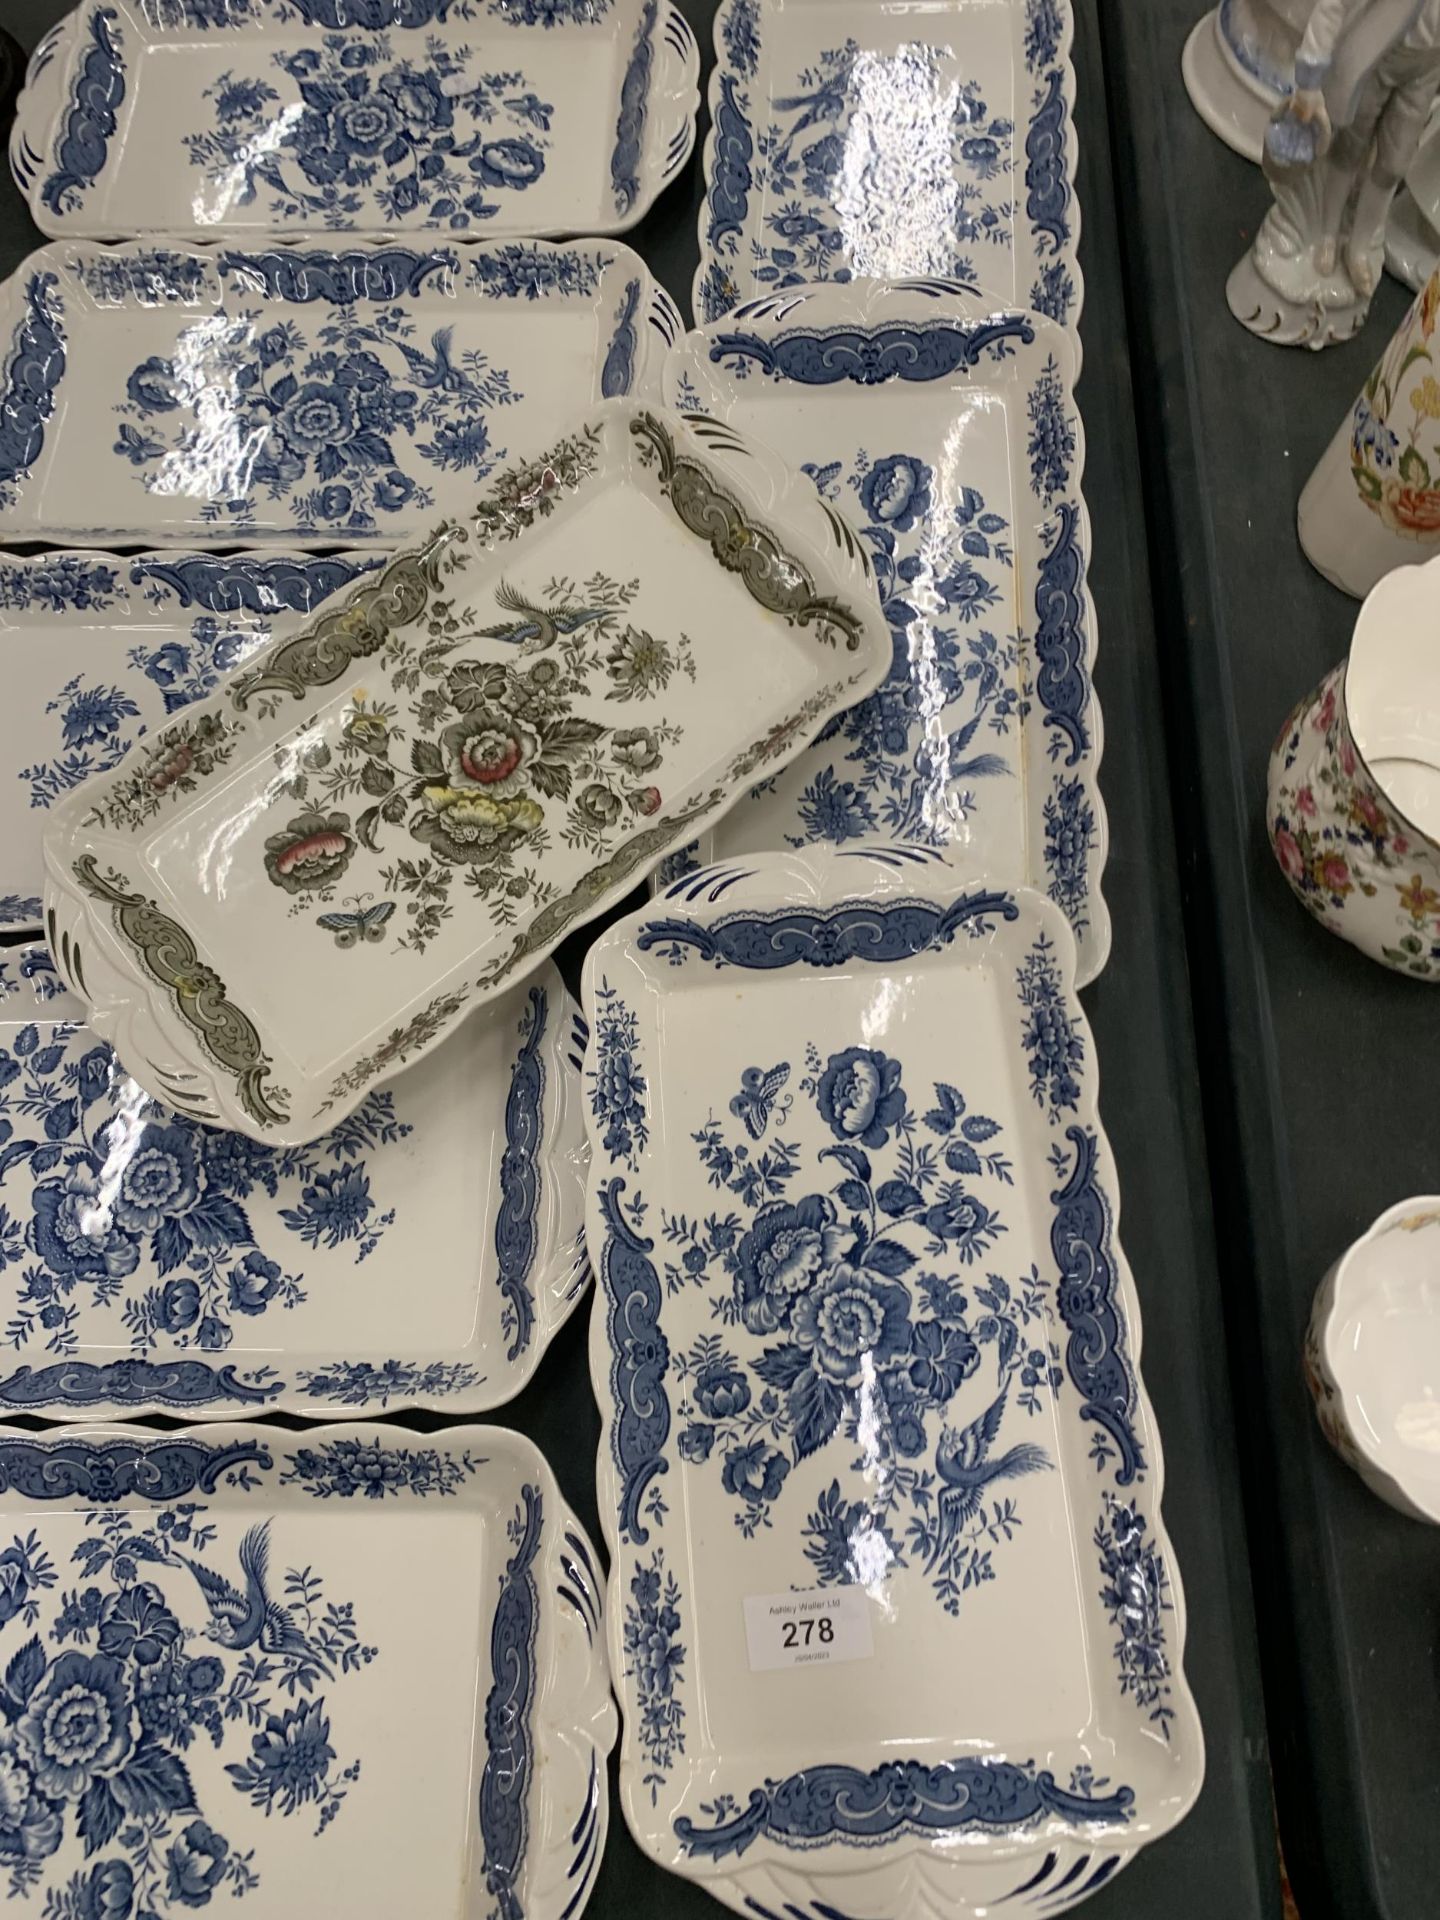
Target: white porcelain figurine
[{"x": 1366, "y": 76}]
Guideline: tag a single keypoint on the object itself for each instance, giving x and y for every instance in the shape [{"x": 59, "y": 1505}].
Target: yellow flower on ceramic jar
[
  {"x": 1418, "y": 900},
  {"x": 1425, "y": 398},
  {"x": 1430, "y": 305}
]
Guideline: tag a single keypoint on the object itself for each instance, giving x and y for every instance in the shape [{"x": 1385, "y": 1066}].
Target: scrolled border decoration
[
  {"x": 505, "y": 1781},
  {"x": 639, "y": 1360},
  {"x": 107, "y": 1471},
  {"x": 869, "y": 356},
  {"x": 862, "y": 930},
  {"x": 169, "y": 955},
  {"x": 251, "y": 583},
  {"x": 517, "y": 1226},
  {"x": 845, "y": 1803},
  {"x": 1047, "y": 184},
  {"x": 89, "y": 126},
  {"x": 617, "y": 376},
  {"x": 342, "y": 277},
  {"x": 33, "y": 370},
  {"x": 1095, "y": 1356},
  {"x": 1062, "y": 677},
  {"x": 634, "y": 104},
  {"x": 772, "y": 577},
  {"x": 132, "y": 1382}
]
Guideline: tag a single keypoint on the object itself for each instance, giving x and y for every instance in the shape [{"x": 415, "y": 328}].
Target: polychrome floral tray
[
  {"x": 300, "y": 396},
  {"x": 888, "y": 142},
  {"x": 866, "y": 1350},
  {"x": 347, "y": 1670},
  {"x": 256, "y": 119},
  {"x": 423, "y": 1253},
  {"x": 97, "y": 649},
  {"x": 950, "y": 429},
  {"x": 479, "y": 747}
]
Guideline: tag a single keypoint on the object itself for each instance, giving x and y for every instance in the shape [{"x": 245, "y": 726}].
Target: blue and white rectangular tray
[
  {"x": 854, "y": 140},
  {"x": 176, "y": 396},
  {"x": 866, "y": 1346},
  {"x": 351, "y": 1670},
  {"x": 423, "y": 1253},
  {"x": 256, "y": 119}
]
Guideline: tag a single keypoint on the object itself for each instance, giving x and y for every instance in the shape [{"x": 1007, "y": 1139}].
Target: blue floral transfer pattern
[
  {"x": 170, "y": 1638},
  {"x": 147, "y": 1216},
  {"x": 1054, "y": 1048},
  {"x": 332, "y": 134},
  {"x": 57, "y": 583},
  {"x": 1136, "y": 1596},
  {"x": 371, "y": 1470},
  {"x": 618, "y": 1091},
  {"x": 844, "y": 1303},
  {"x": 335, "y": 419},
  {"x": 655, "y": 1661}
]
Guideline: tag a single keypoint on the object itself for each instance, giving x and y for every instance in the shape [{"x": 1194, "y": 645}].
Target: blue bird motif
[
  {"x": 239, "y": 1620},
  {"x": 537, "y": 628},
  {"x": 437, "y": 369},
  {"x": 963, "y": 1464}
]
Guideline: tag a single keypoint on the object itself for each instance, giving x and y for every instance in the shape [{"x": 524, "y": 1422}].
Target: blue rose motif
[
  {"x": 754, "y": 1473},
  {"x": 363, "y": 126},
  {"x": 160, "y": 1180},
  {"x": 822, "y": 162},
  {"x": 335, "y": 502},
  {"x": 168, "y": 664},
  {"x": 417, "y": 98},
  {"x": 940, "y": 1358},
  {"x": 392, "y": 490},
  {"x": 316, "y": 416},
  {"x": 852, "y": 1317},
  {"x": 792, "y": 223},
  {"x": 203, "y": 1676},
  {"x": 509, "y": 163},
  {"x": 695, "y": 1443},
  {"x": 907, "y": 1422},
  {"x": 721, "y": 1391},
  {"x": 896, "y": 491},
  {"x": 136, "y": 1624},
  {"x": 962, "y": 1219},
  {"x": 658, "y": 1655},
  {"x": 291, "y": 1755},
  {"x": 152, "y": 386},
  {"x": 860, "y": 1096},
  {"x": 213, "y": 1335},
  {"x": 781, "y": 1257},
  {"x": 30, "y": 1824},
  {"x": 179, "y": 1305},
  {"x": 272, "y": 346},
  {"x": 15, "y": 1583},
  {"x": 981, "y": 152},
  {"x": 253, "y": 1283},
  {"x": 68, "y": 1233},
  {"x": 76, "y": 1726},
  {"x": 195, "y": 1864}
]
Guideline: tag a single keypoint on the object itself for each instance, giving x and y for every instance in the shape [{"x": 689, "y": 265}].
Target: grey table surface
[{"x": 1222, "y": 1860}]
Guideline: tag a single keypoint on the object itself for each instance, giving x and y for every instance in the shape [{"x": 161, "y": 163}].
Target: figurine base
[
  {"x": 1333, "y": 312},
  {"x": 1233, "y": 106},
  {"x": 1411, "y": 243}
]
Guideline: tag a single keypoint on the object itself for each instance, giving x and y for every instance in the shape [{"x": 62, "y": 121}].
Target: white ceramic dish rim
[
  {"x": 1421, "y": 1494},
  {"x": 50, "y": 75},
  {"x": 830, "y": 307},
  {"x": 769, "y": 882},
  {"x": 723, "y": 72},
  {"x": 656, "y": 325},
  {"x": 140, "y": 1018},
  {"x": 571, "y": 1705},
  {"x": 554, "y": 1275}
]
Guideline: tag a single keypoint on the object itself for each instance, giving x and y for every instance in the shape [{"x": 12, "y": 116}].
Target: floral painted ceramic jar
[
  {"x": 1372, "y": 1357},
  {"x": 1353, "y": 807},
  {"x": 1373, "y": 501}
]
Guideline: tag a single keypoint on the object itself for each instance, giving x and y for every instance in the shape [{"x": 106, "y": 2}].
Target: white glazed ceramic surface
[
  {"x": 1239, "y": 63},
  {"x": 1373, "y": 501},
  {"x": 217, "y": 119},
  {"x": 1353, "y": 806},
  {"x": 300, "y": 395},
  {"x": 950, "y": 428},
  {"x": 488, "y": 740},
  {"x": 96, "y": 650},
  {"x": 1372, "y": 1357},
  {"x": 153, "y": 1265},
  {"x": 276, "y": 1652},
  {"x": 888, "y": 143},
  {"x": 864, "y": 1336}
]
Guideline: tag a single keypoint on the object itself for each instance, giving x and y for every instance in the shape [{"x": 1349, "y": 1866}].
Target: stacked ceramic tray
[{"x": 531, "y": 610}]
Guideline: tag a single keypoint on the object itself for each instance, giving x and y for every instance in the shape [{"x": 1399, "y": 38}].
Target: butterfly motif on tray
[
  {"x": 357, "y": 922},
  {"x": 758, "y": 1093}
]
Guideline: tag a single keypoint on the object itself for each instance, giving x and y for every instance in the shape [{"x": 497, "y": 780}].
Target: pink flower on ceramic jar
[
  {"x": 1347, "y": 759},
  {"x": 1287, "y": 852},
  {"x": 1399, "y": 844},
  {"x": 1334, "y": 874},
  {"x": 1325, "y": 712},
  {"x": 1366, "y": 810},
  {"x": 1305, "y": 802}
]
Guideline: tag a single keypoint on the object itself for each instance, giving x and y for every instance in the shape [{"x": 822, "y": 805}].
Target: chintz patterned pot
[
  {"x": 1372, "y": 1357},
  {"x": 1353, "y": 807}
]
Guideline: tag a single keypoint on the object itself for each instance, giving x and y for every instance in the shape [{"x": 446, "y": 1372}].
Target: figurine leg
[{"x": 1398, "y": 134}]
